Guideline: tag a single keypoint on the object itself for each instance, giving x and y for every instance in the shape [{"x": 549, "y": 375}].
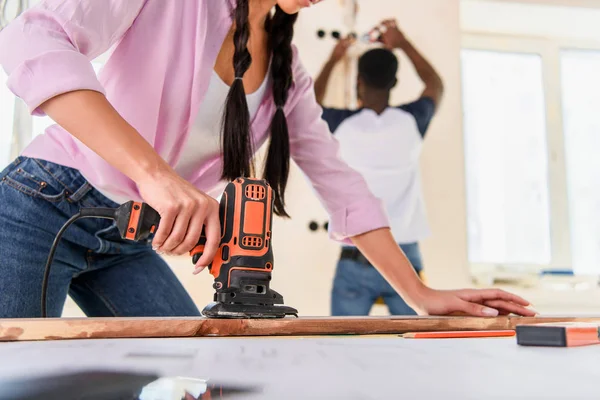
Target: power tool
[{"x": 243, "y": 263}]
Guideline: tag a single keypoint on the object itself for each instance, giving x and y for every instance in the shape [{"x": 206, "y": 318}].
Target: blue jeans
[
  {"x": 105, "y": 275},
  {"x": 357, "y": 286}
]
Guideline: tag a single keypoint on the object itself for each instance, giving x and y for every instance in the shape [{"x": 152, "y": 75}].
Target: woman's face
[{"x": 293, "y": 6}]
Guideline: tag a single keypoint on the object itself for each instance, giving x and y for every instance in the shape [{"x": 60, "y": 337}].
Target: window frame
[{"x": 549, "y": 49}]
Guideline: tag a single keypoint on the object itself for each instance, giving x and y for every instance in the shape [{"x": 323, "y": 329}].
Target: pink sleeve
[
  {"x": 47, "y": 50},
  {"x": 352, "y": 208}
]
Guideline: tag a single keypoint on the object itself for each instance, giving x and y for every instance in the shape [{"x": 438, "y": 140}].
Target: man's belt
[{"x": 350, "y": 253}]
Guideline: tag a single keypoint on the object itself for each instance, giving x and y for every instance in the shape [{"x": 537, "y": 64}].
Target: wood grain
[{"x": 91, "y": 328}]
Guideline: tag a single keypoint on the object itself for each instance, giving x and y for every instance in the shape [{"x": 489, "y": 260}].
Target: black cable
[
  {"x": 51, "y": 257},
  {"x": 106, "y": 213}
]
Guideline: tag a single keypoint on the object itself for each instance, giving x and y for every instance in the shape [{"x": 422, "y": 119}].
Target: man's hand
[
  {"x": 391, "y": 37},
  {"x": 340, "y": 49}
]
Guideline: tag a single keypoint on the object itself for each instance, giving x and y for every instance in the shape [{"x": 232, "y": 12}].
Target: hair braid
[
  {"x": 278, "y": 158},
  {"x": 237, "y": 143}
]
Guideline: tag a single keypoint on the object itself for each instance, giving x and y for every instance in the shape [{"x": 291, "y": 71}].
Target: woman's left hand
[
  {"x": 473, "y": 302},
  {"x": 381, "y": 249}
]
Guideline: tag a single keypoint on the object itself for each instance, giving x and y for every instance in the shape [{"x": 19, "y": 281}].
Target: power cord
[{"x": 104, "y": 213}]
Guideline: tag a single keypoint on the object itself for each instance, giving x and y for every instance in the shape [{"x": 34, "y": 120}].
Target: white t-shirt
[
  {"x": 204, "y": 139},
  {"x": 385, "y": 149}
]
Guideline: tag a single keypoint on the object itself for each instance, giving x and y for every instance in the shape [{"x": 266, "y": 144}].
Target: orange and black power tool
[{"x": 243, "y": 263}]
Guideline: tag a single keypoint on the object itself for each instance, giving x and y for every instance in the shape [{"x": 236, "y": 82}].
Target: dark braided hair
[
  {"x": 237, "y": 143},
  {"x": 277, "y": 166}
]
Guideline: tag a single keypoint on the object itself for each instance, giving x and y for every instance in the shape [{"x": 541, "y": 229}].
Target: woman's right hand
[{"x": 184, "y": 211}]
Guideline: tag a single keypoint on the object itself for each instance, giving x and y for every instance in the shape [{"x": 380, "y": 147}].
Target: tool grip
[
  {"x": 136, "y": 221},
  {"x": 198, "y": 250}
]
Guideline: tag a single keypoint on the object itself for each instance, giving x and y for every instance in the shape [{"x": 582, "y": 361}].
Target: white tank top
[{"x": 204, "y": 139}]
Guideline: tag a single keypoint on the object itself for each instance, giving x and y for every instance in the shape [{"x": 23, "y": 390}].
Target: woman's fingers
[
  {"x": 213, "y": 237},
  {"x": 477, "y": 310},
  {"x": 180, "y": 228},
  {"x": 501, "y": 294},
  {"x": 478, "y": 303},
  {"x": 481, "y": 295},
  {"x": 504, "y": 302},
  {"x": 193, "y": 234},
  {"x": 506, "y": 307},
  {"x": 183, "y": 210},
  {"x": 164, "y": 228},
  {"x": 197, "y": 270}
]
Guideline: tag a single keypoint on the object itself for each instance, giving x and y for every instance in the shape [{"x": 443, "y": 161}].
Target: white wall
[{"x": 533, "y": 19}]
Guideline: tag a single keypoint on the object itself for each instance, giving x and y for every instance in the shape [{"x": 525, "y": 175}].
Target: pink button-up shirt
[{"x": 163, "y": 53}]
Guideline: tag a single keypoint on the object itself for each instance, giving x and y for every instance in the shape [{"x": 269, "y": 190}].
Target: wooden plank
[{"x": 92, "y": 328}]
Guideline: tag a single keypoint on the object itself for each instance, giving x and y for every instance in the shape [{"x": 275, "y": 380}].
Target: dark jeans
[
  {"x": 105, "y": 275},
  {"x": 357, "y": 286}
]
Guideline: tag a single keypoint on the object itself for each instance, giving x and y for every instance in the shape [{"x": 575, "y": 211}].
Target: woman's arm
[
  {"x": 46, "y": 53},
  {"x": 379, "y": 247},
  {"x": 89, "y": 117},
  {"x": 358, "y": 217},
  {"x": 184, "y": 210}
]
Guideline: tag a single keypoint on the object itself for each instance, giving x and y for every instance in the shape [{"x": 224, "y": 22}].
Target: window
[
  {"x": 506, "y": 158},
  {"x": 532, "y": 140},
  {"x": 580, "y": 104}
]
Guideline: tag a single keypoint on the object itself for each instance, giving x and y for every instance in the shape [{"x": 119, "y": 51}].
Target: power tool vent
[
  {"x": 255, "y": 192},
  {"x": 252, "y": 241}
]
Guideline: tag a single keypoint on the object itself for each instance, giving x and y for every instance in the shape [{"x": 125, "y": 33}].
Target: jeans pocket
[
  {"x": 30, "y": 177},
  {"x": 349, "y": 280}
]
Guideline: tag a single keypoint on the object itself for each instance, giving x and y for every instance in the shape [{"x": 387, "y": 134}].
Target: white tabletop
[{"x": 334, "y": 367}]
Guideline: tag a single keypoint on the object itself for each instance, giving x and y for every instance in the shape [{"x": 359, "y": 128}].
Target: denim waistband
[{"x": 71, "y": 179}]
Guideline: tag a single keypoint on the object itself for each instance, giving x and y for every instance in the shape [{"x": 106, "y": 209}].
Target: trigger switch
[
  {"x": 196, "y": 257},
  {"x": 225, "y": 253}
]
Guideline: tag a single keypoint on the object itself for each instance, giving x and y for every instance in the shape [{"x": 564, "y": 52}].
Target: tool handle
[
  {"x": 136, "y": 221},
  {"x": 198, "y": 250}
]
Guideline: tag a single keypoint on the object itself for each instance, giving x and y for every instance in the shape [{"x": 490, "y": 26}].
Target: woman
[{"x": 148, "y": 129}]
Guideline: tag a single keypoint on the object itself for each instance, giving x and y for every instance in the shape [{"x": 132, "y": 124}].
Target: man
[{"x": 383, "y": 143}]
